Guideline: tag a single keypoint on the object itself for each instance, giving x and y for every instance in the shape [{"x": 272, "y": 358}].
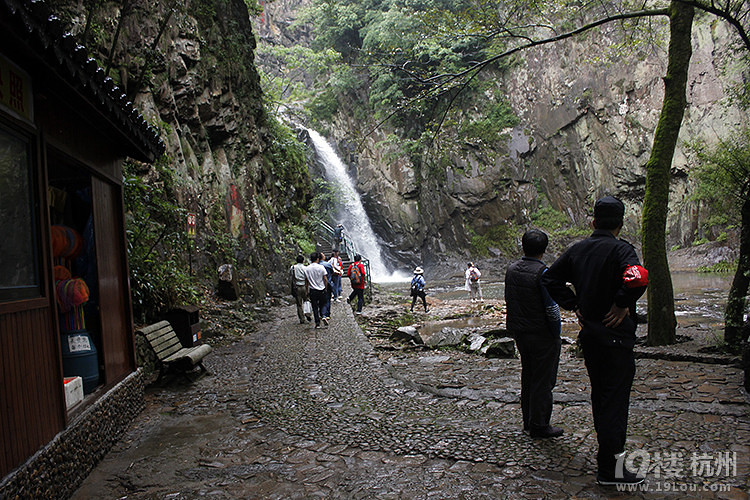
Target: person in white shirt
[
  {"x": 472, "y": 282},
  {"x": 317, "y": 277}
]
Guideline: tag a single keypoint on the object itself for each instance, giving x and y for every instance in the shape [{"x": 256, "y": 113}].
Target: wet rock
[
  {"x": 446, "y": 337},
  {"x": 476, "y": 342},
  {"x": 407, "y": 334},
  {"x": 500, "y": 348}
]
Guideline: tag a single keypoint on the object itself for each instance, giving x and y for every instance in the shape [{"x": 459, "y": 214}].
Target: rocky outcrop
[{"x": 586, "y": 127}]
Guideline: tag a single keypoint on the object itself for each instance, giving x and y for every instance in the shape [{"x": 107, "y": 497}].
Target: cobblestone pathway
[{"x": 293, "y": 412}]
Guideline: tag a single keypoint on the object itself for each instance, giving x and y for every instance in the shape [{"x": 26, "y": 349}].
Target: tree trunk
[
  {"x": 735, "y": 311},
  {"x": 661, "y": 318}
]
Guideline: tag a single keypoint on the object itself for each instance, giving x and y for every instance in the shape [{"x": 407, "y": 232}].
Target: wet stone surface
[{"x": 293, "y": 412}]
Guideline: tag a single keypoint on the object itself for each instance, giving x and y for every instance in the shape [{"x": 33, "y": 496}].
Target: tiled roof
[{"x": 47, "y": 39}]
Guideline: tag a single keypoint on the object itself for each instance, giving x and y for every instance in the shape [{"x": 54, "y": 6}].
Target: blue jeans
[{"x": 336, "y": 286}]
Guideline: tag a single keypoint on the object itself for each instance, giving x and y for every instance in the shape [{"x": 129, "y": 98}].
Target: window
[{"x": 19, "y": 261}]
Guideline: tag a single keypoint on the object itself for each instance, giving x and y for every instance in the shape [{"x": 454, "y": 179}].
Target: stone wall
[{"x": 56, "y": 470}]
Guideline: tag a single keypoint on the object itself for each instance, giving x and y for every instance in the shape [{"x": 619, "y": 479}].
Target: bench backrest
[{"x": 162, "y": 339}]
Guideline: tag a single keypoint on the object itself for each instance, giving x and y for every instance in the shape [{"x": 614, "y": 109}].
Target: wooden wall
[{"x": 32, "y": 408}]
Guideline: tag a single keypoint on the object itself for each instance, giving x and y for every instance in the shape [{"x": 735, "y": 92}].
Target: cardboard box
[{"x": 73, "y": 391}]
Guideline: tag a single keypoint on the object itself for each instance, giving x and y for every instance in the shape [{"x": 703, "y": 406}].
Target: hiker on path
[
  {"x": 329, "y": 287},
  {"x": 298, "y": 284},
  {"x": 533, "y": 320},
  {"x": 338, "y": 272},
  {"x": 317, "y": 277},
  {"x": 417, "y": 288},
  {"x": 472, "y": 286},
  {"x": 338, "y": 237},
  {"x": 607, "y": 281},
  {"x": 358, "y": 279}
]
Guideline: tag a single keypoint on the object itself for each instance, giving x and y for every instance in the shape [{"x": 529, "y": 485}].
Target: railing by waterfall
[{"x": 324, "y": 240}]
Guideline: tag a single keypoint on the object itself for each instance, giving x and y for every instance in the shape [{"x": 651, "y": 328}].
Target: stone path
[{"x": 293, "y": 412}]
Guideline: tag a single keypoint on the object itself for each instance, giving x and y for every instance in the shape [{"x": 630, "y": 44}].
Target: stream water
[{"x": 700, "y": 298}]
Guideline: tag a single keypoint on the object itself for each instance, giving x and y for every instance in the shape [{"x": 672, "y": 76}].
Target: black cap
[{"x": 608, "y": 212}]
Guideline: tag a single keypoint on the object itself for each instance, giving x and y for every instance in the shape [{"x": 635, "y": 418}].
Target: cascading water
[{"x": 351, "y": 212}]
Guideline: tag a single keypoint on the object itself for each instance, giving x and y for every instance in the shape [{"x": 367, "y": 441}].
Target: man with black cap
[{"x": 607, "y": 281}]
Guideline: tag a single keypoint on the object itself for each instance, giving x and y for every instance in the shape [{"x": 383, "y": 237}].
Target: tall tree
[{"x": 661, "y": 318}]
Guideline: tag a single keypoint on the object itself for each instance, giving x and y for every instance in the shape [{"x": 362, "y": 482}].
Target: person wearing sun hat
[
  {"x": 417, "y": 288},
  {"x": 607, "y": 281}
]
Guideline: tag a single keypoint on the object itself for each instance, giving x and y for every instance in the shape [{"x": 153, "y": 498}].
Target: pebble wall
[{"x": 57, "y": 470}]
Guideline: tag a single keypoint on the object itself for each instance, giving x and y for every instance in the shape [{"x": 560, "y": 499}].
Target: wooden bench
[{"x": 162, "y": 338}]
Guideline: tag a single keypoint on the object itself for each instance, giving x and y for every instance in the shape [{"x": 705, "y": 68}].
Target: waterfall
[{"x": 351, "y": 212}]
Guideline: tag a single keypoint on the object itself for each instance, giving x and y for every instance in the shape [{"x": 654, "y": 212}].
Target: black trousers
[
  {"x": 318, "y": 301},
  {"x": 360, "y": 294},
  {"x": 540, "y": 357},
  {"x": 611, "y": 369},
  {"x": 419, "y": 294}
]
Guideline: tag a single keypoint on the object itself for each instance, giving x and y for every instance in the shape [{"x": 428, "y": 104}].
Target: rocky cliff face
[
  {"x": 190, "y": 69},
  {"x": 585, "y": 130}
]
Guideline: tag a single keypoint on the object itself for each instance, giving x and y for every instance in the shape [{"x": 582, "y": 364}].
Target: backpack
[
  {"x": 355, "y": 275},
  {"x": 473, "y": 276}
]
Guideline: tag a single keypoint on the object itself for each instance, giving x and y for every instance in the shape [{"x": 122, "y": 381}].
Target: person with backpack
[
  {"x": 417, "y": 288},
  {"x": 472, "y": 282},
  {"x": 357, "y": 278}
]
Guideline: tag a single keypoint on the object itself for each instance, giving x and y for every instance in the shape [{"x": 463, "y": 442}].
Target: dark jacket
[
  {"x": 523, "y": 297},
  {"x": 595, "y": 268}
]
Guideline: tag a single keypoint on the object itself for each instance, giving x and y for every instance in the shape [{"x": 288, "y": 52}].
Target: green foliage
[
  {"x": 549, "y": 219},
  {"x": 286, "y": 157},
  {"x": 157, "y": 244},
  {"x": 500, "y": 237},
  {"x": 300, "y": 237},
  {"x": 722, "y": 176},
  {"x": 724, "y": 267}
]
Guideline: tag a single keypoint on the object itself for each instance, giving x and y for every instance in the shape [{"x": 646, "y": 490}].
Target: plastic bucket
[{"x": 79, "y": 358}]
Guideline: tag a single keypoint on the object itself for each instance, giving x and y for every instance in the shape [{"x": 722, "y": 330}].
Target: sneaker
[
  {"x": 302, "y": 322},
  {"x": 317, "y": 327},
  {"x": 359, "y": 313},
  {"x": 606, "y": 479},
  {"x": 325, "y": 321},
  {"x": 548, "y": 432}
]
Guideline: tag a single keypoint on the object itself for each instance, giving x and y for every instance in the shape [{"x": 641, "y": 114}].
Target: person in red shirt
[{"x": 357, "y": 278}]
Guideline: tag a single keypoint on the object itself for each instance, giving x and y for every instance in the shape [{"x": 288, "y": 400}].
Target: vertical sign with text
[{"x": 15, "y": 90}]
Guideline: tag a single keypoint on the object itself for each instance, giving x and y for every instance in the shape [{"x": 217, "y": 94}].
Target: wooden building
[{"x": 65, "y": 130}]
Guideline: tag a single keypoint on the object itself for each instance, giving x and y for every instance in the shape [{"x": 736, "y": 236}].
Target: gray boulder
[
  {"x": 407, "y": 334},
  {"x": 446, "y": 337},
  {"x": 500, "y": 348}
]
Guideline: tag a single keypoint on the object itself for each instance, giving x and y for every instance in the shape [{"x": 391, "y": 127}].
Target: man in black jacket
[
  {"x": 607, "y": 278},
  {"x": 533, "y": 319}
]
